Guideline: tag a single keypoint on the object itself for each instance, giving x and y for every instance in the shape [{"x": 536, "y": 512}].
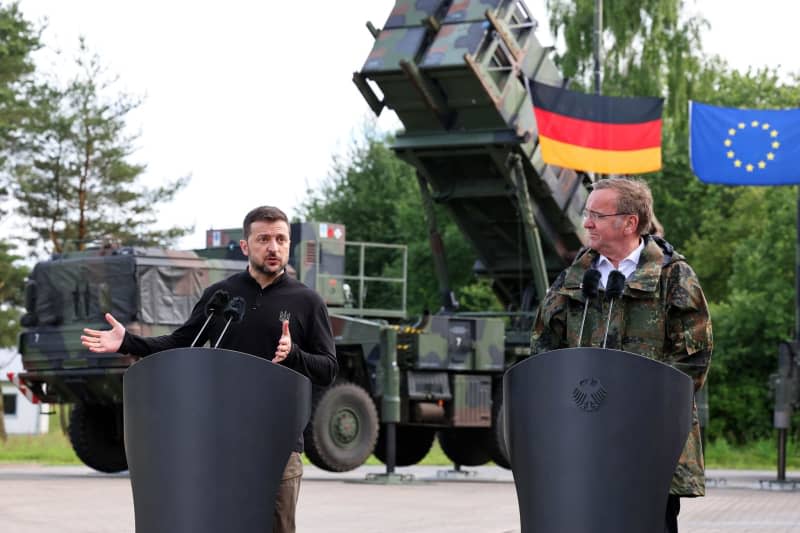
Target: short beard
[{"x": 265, "y": 270}]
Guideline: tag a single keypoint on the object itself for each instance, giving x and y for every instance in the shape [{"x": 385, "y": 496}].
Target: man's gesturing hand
[
  {"x": 284, "y": 344},
  {"x": 106, "y": 341}
]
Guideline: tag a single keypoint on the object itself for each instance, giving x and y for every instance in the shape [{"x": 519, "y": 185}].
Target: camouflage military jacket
[{"x": 662, "y": 314}]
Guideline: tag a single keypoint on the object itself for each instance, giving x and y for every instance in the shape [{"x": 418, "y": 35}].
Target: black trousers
[{"x": 673, "y": 508}]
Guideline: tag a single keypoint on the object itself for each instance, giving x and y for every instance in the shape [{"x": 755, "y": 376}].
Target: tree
[
  {"x": 757, "y": 311},
  {"x": 18, "y": 39},
  {"x": 12, "y": 279},
  {"x": 75, "y": 182}
]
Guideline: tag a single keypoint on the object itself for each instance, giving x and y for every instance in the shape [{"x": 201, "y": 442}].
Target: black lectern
[
  {"x": 594, "y": 437},
  {"x": 207, "y": 435}
]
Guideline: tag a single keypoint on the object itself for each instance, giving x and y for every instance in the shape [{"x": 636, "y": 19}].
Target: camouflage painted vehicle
[{"x": 437, "y": 375}]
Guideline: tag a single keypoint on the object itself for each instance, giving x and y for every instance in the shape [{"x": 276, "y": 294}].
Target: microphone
[
  {"x": 614, "y": 288},
  {"x": 589, "y": 288},
  {"x": 214, "y": 305},
  {"x": 233, "y": 312},
  {"x": 217, "y": 302}
]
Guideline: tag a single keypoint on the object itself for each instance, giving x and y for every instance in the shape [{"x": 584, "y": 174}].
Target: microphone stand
[
  {"x": 589, "y": 289},
  {"x": 228, "y": 323},
  {"x": 614, "y": 287},
  {"x": 583, "y": 322},
  {"x": 217, "y": 301},
  {"x": 208, "y": 319},
  {"x": 608, "y": 321}
]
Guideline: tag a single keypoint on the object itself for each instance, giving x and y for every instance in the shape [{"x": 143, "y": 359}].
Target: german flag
[{"x": 605, "y": 134}]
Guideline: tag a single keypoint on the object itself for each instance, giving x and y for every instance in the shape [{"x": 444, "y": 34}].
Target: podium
[
  {"x": 208, "y": 433},
  {"x": 594, "y": 437}
]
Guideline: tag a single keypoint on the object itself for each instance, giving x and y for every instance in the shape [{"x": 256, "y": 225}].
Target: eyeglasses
[{"x": 595, "y": 216}]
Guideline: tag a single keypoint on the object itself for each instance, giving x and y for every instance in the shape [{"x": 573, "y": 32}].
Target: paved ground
[{"x": 77, "y": 500}]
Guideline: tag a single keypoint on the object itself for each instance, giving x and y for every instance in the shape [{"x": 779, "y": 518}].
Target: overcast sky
[{"x": 254, "y": 98}]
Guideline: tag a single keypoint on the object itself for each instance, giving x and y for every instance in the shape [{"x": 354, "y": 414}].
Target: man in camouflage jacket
[{"x": 662, "y": 313}]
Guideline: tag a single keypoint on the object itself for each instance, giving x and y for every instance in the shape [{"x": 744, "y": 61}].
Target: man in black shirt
[{"x": 285, "y": 322}]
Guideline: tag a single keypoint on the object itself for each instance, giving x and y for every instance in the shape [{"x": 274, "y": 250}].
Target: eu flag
[{"x": 744, "y": 146}]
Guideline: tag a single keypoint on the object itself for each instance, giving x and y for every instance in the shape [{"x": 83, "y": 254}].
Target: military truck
[{"x": 152, "y": 291}]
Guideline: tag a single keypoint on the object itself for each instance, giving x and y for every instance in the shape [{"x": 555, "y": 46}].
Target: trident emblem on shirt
[{"x": 284, "y": 316}]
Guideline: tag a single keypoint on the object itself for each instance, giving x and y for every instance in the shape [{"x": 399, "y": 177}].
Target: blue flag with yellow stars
[{"x": 744, "y": 146}]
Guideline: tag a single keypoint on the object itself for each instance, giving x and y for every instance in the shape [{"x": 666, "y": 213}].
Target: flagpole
[
  {"x": 797, "y": 273},
  {"x": 598, "y": 33},
  {"x": 783, "y": 432}
]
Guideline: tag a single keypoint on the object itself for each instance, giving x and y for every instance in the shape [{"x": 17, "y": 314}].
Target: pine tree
[{"x": 75, "y": 182}]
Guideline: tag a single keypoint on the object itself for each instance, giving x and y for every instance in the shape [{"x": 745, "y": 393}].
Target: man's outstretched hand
[
  {"x": 284, "y": 344},
  {"x": 105, "y": 341}
]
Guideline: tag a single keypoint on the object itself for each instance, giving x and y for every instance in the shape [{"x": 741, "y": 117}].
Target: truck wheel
[
  {"x": 496, "y": 440},
  {"x": 95, "y": 432},
  {"x": 412, "y": 445},
  {"x": 343, "y": 428},
  {"x": 465, "y": 446}
]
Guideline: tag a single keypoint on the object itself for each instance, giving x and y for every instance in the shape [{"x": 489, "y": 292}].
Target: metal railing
[{"x": 356, "y": 306}]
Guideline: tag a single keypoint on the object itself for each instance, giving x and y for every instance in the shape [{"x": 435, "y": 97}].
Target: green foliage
[
  {"x": 74, "y": 179},
  {"x": 49, "y": 448},
  {"x": 12, "y": 281},
  {"x": 478, "y": 296},
  {"x": 645, "y": 44},
  {"x": 18, "y": 39},
  {"x": 757, "y": 454},
  {"x": 748, "y": 254},
  {"x": 377, "y": 197}
]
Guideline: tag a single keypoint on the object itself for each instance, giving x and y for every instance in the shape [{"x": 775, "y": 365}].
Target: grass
[
  {"x": 54, "y": 448},
  {"x": 758, "y": 455},
  {"x": 51, "y": 448},
  {"x": 435, "y": 457}
]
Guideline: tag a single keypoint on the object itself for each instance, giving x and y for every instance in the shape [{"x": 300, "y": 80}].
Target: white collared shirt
[{"x": 626, "y": 266}]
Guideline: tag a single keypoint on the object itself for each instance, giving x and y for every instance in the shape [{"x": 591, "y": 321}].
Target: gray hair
[{"x": 633, "y": 197}]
